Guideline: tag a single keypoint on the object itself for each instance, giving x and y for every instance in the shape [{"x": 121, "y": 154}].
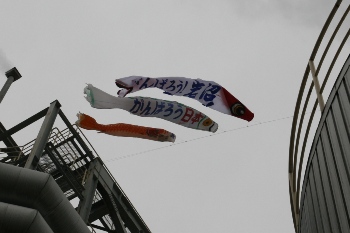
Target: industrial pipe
[
  {"x": 12, "y": 75},
  {"x": 15, "y": 218},
  {"x": 38, "y": 190}
]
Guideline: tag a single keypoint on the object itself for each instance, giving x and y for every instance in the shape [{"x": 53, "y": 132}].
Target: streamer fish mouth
[
  {"x": 161, "y": 135},
  {"x": 172, "y": 138},
  {"x": 214, "y": 128},
  {"x": 237, "y": 109}
]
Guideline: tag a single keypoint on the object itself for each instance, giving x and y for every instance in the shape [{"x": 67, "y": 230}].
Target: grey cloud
[{"x": 309, "y": 13}]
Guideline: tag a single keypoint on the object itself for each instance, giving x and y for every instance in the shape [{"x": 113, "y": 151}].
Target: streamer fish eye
[{"x": 237, "y": 109}]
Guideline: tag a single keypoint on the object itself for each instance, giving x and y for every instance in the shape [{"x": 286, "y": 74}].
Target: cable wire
[{"x": 195, "y": 139}]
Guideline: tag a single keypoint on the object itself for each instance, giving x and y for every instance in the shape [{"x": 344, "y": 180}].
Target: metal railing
[
  {"x": 62, "y": 143},
  {"x": 295, "y": 167}
]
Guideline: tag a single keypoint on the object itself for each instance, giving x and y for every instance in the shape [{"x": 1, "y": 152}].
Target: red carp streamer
[{"x": 125, "y": 130}]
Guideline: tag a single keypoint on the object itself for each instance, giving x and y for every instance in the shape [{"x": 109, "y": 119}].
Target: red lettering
[{"x": 188, "y": 115}]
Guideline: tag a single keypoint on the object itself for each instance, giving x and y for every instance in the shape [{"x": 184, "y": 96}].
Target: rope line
[{"x": 199, "y": 138}]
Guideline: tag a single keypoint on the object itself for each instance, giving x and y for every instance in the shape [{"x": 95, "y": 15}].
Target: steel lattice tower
[{"x": 69, "y": 158}]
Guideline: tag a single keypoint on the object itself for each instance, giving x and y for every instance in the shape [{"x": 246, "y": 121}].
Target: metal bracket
[{"x": 316, "y": 85}]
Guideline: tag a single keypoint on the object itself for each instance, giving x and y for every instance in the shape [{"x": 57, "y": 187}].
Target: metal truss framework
[{"x": 71, "y": 160}]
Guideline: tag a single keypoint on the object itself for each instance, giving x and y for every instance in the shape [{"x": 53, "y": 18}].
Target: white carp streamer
[{"x": 149, "y": 107}]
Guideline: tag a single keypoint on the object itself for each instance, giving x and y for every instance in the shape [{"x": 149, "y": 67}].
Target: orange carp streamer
[{"x": 125, "y": 130}]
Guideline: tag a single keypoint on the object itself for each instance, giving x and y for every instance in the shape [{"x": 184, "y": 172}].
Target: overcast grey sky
[{"x": 228, "y": 182}]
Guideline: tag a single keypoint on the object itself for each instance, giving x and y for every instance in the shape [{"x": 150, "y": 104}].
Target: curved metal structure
[
  {"x": 325, "y": 202},
  {"x": 296, "y": 158},
  {"x": 39, "y": 191},
  {"x": 15, "y": 218}
]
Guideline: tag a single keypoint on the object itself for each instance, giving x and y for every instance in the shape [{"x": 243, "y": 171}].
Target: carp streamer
[
  {"x": 150, "y": 107},
  {"x": 125, "y": 130},
  {"x": 209, "y": 93}
]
